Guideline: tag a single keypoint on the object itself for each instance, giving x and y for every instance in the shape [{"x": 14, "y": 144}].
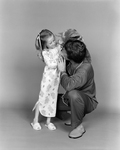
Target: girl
[{"x": 49, "y": 51}]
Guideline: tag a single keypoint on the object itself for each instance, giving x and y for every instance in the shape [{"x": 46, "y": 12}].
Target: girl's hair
[
  {"x": 41, "y": 39},
  {"x": 76, "y": 50}
]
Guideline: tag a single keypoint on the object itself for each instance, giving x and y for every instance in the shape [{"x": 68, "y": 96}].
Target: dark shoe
[
  {"x": 77, "y": 132},
  {"x": 68, "y": 123}
]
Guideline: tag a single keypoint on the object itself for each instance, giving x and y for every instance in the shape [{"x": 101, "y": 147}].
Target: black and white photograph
[{"x": 59, "y": 74}]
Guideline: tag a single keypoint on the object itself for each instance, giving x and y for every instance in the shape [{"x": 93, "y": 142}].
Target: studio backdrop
[{"x": 98, "y": 21}]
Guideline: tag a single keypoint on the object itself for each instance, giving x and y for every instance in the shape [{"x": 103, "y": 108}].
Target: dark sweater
[{"x": 80, "y": 78}]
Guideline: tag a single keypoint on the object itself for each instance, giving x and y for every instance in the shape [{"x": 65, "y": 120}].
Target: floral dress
[{"x": 50, "y": 83}]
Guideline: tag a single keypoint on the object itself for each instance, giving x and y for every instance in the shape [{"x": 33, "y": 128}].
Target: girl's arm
[
  {"x": 50, "y": 62},
  {"x": 40, "y": 56}
]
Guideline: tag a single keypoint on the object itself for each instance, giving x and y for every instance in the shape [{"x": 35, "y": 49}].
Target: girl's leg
[
  {"x": 48, "y": 120},
  {"x": 50, "y": 125},
  {"x": 36, "y": 114},
  {"x": 35, "y": 124}
]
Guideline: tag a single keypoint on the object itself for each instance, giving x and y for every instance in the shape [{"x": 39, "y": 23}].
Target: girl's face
[{"x": 51, "y": 42}]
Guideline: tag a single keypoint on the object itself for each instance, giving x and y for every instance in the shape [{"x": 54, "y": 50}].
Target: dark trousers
[{"x": 78, "y": 103}]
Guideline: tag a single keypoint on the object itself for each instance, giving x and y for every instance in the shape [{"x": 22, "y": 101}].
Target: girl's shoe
[
  {"x": 50, "y": 126},
  {"x": 36, "y": 126}
]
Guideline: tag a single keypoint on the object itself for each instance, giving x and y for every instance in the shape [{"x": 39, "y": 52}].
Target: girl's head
[{"x": 45, "y": 39}]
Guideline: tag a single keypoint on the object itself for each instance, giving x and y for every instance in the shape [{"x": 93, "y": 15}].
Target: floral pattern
[{"x": 50, "y": 83}]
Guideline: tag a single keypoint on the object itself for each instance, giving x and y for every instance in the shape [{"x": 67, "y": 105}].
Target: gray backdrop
[{"x": 97, "y": 21}]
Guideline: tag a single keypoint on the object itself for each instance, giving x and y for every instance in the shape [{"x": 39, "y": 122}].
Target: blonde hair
[{"x": 41, "y": 39}]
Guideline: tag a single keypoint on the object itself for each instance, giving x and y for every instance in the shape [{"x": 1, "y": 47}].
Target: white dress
[{"x": 50, "y": 83}]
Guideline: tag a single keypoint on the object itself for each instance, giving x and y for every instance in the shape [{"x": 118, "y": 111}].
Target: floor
[{"x": 103, "y": 132}]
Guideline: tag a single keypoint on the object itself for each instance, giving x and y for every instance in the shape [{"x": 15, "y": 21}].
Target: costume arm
[
  {"x": 75, "y": 81},
  {"x": 40, "y": 56},
  {"x": 50, "y": 62}
]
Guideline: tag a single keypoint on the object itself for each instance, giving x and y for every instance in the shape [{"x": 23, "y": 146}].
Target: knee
[{"x": 73, "y": 95}]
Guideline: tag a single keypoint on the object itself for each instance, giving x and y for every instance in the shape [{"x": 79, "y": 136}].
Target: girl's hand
[
  {"x": 40, "y": 56},
  {"x": 61, "y": 54},
  {"x": 62, "y": 64}
]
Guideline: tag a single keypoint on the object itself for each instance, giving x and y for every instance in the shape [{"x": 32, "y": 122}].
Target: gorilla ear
[{"x": 38, "y": 42}]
